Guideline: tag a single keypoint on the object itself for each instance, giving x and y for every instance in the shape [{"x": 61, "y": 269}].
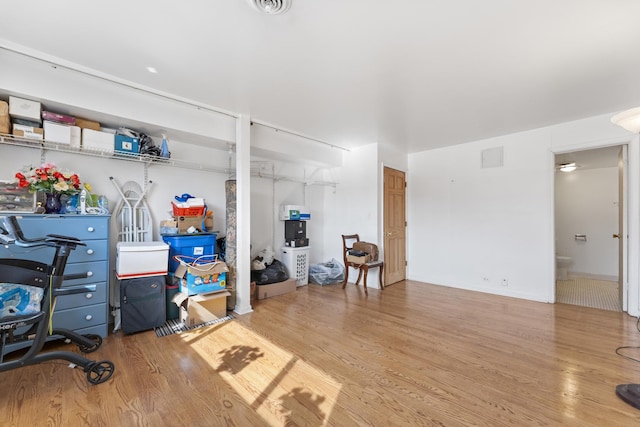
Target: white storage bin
[
  {"x": 24, "y": 109},
  {"x": 141, "y": 259},
  {"x": 98, "y": 140},
  {"x": 61, "y": 133},
  {"x": 297, "y": 262}
]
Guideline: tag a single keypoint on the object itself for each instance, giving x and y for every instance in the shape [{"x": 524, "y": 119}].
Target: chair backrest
[{"x": 348, "y": 240}]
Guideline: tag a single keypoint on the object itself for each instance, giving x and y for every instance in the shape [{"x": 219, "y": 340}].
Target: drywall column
[{"x": 243, "y": 214}]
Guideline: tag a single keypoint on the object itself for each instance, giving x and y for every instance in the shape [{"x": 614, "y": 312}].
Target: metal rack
[{"x": 144, "y": 159}]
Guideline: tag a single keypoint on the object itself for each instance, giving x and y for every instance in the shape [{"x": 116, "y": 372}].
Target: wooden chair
[{"x": 348, "y": 243}]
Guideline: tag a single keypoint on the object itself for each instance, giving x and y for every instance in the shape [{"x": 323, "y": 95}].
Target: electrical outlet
[{"x": 505, "y": 282}]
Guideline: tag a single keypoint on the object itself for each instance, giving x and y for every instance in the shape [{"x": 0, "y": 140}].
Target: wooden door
[{"x": 395, "y": 224}]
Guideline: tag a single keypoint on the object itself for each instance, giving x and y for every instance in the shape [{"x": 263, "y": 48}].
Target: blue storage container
[{"x": 191, "y": 245}]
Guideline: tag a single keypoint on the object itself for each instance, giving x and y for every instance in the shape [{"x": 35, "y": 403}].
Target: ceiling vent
[{"x": 272, "y": 7}]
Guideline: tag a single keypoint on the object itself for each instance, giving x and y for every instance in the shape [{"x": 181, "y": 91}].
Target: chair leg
[
  {"x": 381, "y": 274},
  {"x": 346, "y": 276},
  {"x": 359, "y": 276},
  {"x": 366, "y": 273}
]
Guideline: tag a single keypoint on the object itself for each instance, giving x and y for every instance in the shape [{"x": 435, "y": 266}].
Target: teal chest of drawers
[{"x": 85, "y": 313}]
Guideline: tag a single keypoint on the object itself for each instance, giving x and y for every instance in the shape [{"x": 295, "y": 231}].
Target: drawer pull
[
  {"x": 91, "y": 229},
  {"x": 89, "y": 273},
  {"x": 88, "y": 317},
  {"x": 90, "y": 251},
  {"x": 89, "y": 296}
]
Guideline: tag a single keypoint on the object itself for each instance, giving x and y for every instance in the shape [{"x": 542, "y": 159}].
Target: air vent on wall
[
  {"x": 272, "y": 7},
  {"x": 492, "y": 158}
]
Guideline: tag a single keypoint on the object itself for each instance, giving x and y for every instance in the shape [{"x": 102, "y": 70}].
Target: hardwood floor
[{"x": 413, "y": 354}]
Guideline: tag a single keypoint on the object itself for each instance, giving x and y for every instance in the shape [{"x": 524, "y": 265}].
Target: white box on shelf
[
  {"x": 141, "y": 259},
  {"x": 20, "y": 108},
  {"x": 76, "y": 136},
  {"x": 294, "y": 212},
  {"x": 98, "y": 140},
  {"x": 60, "y": 133}
]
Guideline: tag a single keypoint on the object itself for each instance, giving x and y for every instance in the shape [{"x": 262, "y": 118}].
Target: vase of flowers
[{"x": 52, "y": 181}]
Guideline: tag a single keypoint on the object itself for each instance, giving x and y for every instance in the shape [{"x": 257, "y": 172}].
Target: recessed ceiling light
[
  {"x": 568, "y": 167},
  {"x": 152, "y": 70}
]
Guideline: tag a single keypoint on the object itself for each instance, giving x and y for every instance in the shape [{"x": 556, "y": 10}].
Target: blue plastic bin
[{"x": 191, "y": 245}]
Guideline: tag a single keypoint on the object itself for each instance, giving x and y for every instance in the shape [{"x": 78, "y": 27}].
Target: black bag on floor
[
  {"x": 142, "y": 303},
  {"x": 273, "y": 273}
]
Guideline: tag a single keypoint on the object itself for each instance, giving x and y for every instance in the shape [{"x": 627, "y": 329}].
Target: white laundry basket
[{"x": 297, "y": 262}]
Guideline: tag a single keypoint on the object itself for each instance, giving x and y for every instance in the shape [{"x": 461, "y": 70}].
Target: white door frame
[{"x": 631, "y": 224}]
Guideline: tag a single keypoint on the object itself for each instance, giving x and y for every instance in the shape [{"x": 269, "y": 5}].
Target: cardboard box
[
  {"x": 87, "y": 124},
  {"x": 37, "y": 133},
  {"x": 186, "y": 222},
  {"x": 98, "y": 140},
  {"x": 359, "y": 259},
  {"x": 5, "y": 123},
  {"x": 25, "y": 109},
  {"x": 198, "y": 309},
  {"x": 59, "y": 132},
  {"x": 57, "y": 117},
  {"x": 141, "y": 259},
  {"x": 208, "y": 221},
  {"x": 126, "y": 145},
  {"x": 273, "y": 289},
  {"x": 202, "y": 278}
]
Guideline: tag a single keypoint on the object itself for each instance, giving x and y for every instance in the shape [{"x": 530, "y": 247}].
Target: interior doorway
[
  {"x": 590, "y": 231},
  {"x": 395, "y": 224}
]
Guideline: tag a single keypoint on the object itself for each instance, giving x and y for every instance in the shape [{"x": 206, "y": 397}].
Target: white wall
[
  {"x": 587, "y": 203},
  {"x": 471, "y": 227},
  {"x": 354, "y": 206},
  {"x": 268, "y": 194}
]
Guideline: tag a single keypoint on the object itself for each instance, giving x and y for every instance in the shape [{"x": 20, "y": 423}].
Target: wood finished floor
[{"x": 414, "y": 354}]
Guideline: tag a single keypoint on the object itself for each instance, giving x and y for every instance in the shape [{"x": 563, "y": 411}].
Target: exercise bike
[{"x": 22, "y": 279}]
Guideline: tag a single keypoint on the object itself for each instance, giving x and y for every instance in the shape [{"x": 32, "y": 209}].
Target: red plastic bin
[{"x": 192, "y": 211}]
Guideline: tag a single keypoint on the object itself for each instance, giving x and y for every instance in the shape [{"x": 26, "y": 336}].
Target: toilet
[{"x": 562, "y": 266}]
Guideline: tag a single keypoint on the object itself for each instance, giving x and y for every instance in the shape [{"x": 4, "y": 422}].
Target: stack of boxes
[
  {"x": 28, "y": 120},
  {"x": 189, "y": 216},
  {"x": 196, "y": 284},
  {"x": 141, "y": 268},
  {"x": 295, "y": 253}
]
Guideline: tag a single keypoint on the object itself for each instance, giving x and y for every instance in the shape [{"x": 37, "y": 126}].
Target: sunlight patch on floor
[{"x": 278, "y": 385}]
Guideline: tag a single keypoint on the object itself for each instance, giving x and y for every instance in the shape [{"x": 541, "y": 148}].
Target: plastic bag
[
  {"x": 17, "y": 299},
  {"x": 327, "y": 272},
  {"x": 273, "y": 273}
]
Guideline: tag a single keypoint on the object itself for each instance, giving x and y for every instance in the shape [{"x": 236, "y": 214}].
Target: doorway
[
  {"x": 395, "y": 224},
  {"x": 590, "y": 237}
]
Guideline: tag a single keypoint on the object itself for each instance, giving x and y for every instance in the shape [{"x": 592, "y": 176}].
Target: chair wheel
[
  {"x": 97, "y": 343},
  {"x": 100, "y": 372}
]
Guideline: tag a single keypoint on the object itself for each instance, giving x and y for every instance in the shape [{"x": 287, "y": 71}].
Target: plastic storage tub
[
  {"x": 191, "y": 245},
  {"x": 141, "y": 259}
]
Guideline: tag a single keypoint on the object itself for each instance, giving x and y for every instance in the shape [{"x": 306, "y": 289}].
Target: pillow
[{"x": 17, "y": 299}]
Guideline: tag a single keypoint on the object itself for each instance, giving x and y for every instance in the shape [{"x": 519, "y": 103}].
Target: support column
[{"x": 243, "y": 214}]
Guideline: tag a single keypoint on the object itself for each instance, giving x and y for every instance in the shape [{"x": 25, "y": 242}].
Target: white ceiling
[{"x": 417, "y": 74}]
